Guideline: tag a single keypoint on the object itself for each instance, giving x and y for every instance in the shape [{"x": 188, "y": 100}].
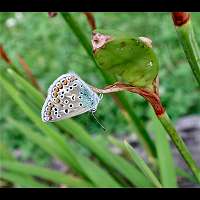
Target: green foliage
[
  {"x": 128, "y": 58},
  {"x": 142, "y": 165},
  {"x": 165, "y": 160},
  {"x": 50, "y": 48}
]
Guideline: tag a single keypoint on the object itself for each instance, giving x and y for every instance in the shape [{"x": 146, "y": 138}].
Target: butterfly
[{"x": 67, "y": 97}]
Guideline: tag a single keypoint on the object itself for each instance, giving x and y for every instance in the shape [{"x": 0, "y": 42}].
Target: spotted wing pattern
[{"x": 68, "y": 96}]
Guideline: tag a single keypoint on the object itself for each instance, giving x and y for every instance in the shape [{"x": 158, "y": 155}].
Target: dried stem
[
  {"x": 91, "y": 20},
  {"x": 28, "y": 72},
  {"x": 149, "y": 95},
  {"x": 4, "y": 55}
]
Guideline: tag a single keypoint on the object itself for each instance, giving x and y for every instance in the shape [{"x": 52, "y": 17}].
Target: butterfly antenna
[{"x": 98, "y": 121}]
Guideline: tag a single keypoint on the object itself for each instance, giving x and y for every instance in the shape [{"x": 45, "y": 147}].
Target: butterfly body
[{"x": 68, "y": 96}]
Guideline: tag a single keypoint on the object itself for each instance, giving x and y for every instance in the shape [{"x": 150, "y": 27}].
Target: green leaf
[
  {"x": 48, "y": 174},
  {"x": 21, "y": 180},
  {"x": 142, "y": 165},
  {"x": 43, "y": 142},
  {"x": 181, "y": 172},
  {"x": 165, "y": 158},
  {"x": 5, "y": 153},
  {"x": 110, "y": 159}
]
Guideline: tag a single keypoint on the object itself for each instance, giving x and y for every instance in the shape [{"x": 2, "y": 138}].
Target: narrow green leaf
[
  {"x": 142, "y": 165},
  {"x": 165, "y": 158},
  {"x": 181, "y": 172},
  {"x": 20, "y": 180},
  {"x": 101, "y": 176},
  {"x": 40, "y": 140},
  {"x": 48, "y": 174},
  {"x": 110, "y": 159},
  {"x": 5, "y": 153},
  {"x": 30, "y": 91}
]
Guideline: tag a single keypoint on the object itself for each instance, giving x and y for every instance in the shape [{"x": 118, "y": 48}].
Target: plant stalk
[
  {"x": 178, "y": 141},
  {"x": 184, "y": 28}
]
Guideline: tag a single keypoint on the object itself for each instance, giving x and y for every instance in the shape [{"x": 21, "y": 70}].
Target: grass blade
[
  {"x": 101, "y": 178},
  {"x": 5, "y": 153},
  {"x": 142, "y": 165},
  {"x": 110, "y": 159},
  {"x": 48, "y": 174},
  {"x": 21, "y": 180},
  {"x": 165, "y": 158}
]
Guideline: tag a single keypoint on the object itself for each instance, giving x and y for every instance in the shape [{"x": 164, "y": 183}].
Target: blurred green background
[{"x": 51, "y": 49}]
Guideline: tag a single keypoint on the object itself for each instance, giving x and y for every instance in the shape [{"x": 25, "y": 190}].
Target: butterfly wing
[{"x": 68, "y": 96}]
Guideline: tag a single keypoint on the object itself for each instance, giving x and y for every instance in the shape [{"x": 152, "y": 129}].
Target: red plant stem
[
  {"x": 180, "y": 18},
  {"x": 28, "y": 72},
  {"x": 149, "y": 95},
  {"x": 91, "y": 20},
  {"x": 4, "y": 55}
]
